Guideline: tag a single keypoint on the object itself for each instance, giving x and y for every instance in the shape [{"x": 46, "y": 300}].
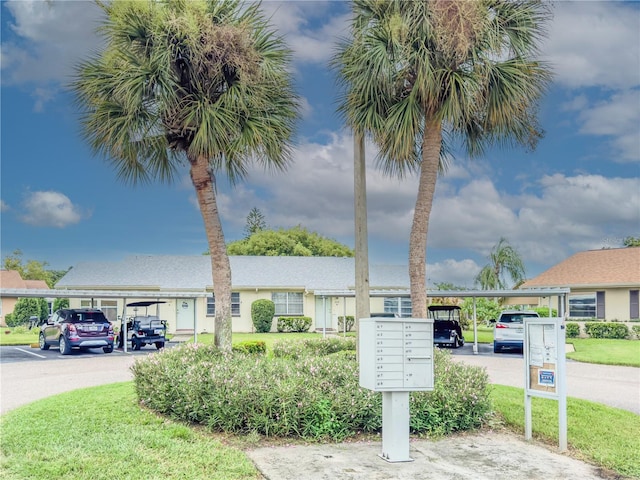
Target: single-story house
[
  {"x": 604, "y": 283},
  {"x": 12, "y": 279},
  {"x": 317, "y": 287}
]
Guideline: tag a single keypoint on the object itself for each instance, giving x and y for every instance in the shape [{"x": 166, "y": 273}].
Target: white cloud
[
  {"x": 4, "y": 206},
  {"x": 50, "y": 38},
  {"x": 50, "y": 209},
  {"x": 617, "y": 117},
  {"x": 595, "y": 44},
  {"x": 459, "y": 273}
]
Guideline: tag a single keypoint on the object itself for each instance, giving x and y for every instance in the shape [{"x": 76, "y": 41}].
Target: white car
[{"x": 508, "y": 331}]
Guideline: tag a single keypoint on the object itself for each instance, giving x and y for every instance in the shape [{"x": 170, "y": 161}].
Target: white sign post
[
  {"x": 396, "y": 357},
  {"x": 545, "y": 370}
]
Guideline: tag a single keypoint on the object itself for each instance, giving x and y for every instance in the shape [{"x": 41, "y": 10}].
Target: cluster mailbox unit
[{"x": 396, "y": 357}]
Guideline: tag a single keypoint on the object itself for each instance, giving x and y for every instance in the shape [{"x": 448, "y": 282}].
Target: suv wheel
[
  {"x": 159, "y": 345},
  {"x": 43, "y": 343},
  {"x": 65, "y": 348},
  {"x": 108, "y": 349},
  {"x": 135, "y": 344}
]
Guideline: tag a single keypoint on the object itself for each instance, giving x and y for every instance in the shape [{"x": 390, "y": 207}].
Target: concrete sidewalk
[{"x": 485, "y": 456}]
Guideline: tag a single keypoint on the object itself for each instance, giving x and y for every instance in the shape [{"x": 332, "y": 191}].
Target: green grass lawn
[
  {"x": 485, "y": 334},
  {"x": 596, "y": 433},
  {"x": 19, "y": 336},
  {"x": 605, "y": 351},
  {"x": 100, "y": 433},
  {"x": 46, "y": 439}
]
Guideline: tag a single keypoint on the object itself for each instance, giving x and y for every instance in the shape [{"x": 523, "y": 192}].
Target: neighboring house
[
  {"x": 318, "y": 287},
  {"x": 12, "y": 279},
  {"x": 604, "y": 283}
]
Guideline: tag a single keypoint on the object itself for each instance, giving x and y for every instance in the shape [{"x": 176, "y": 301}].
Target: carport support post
[
  {"x": 123, "y": 323},
  {"x": 475, "y": 329},
  {"x": 395, "y": 427}
]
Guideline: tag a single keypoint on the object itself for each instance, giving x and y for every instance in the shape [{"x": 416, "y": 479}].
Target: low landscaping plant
[
  {"x": 573, "y": 330},
  {"x": 299, "y": 394},
  {"x": 255, "y": 346},
  {"x": 294, "y": 324},
  {"x": 636, "y": 330},
  {"x": 345, "y": 326},
  {"x": 607, "y": 330},
  {"x": 312, "y": 347}
]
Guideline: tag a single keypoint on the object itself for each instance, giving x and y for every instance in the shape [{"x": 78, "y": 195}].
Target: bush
[
  {"x": 342, "y": 326},
  {"x": 606, "y": 330},
  {"x": 486, "y": 309},
  {"x": 573, "y": 330},
  {"x": 294, "y": 324},
  {"x": 544, "y": 311},
  {"x": 313, "y": 396},
  {"x": 262, "y": 312},
  {"x": 251, "y": 346},
  {"x": 26, "y": 308},
  {"x": 312, "y": 347},
  {"x": 636, "y": 330}
]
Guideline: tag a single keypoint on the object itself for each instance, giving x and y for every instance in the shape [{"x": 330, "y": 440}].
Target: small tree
[
  {"x": 255, "y": 222},
  {"x": 26, "y": 308},
  {"x": 262, "y": 312},
  {"x": 59, "y": 303}
]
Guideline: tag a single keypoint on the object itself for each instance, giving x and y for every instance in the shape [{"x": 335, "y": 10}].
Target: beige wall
[{"x": 7, "y": 304}]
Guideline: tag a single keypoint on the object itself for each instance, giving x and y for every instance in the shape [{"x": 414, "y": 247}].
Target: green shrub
[
  {"x": 313, "y": 396},
  {"x": 251, "y": 346},
  {"x": 26, "y": 308},
  {"x": 345, "y": 326},
  {"x": 573, "y": 330},
  {"x": 294, "y": 324},
  {"x": 486, "y": 309},
  {"x": 606, "y": 330},
  {"x": 312, "y": 347},
  {"x": 544, "y": 311},
  {"x": 636, "y": 330},
  {"x": 262, "y": 312}
]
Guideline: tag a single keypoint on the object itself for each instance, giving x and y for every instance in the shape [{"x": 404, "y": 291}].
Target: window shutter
[
  {"x": 600, "y": 305},
  {"x": 634, "y": 309}
]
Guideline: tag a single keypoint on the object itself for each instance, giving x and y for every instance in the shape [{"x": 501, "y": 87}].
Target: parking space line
[{"x": 31, "y": 353}]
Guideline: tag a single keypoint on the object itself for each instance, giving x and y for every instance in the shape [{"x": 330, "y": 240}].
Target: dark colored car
[
  {"x": 77, "y": 328},
  {"x": 144, "y": 329},
  {"x": 447, "y": 330}
]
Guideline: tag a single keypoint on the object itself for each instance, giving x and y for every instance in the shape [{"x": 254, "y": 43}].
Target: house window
[
  {"x": 235, "y": 305},
  {"x": 399, "y": 305},
  {"x": 288, "y": 303},
  {"x": 582, "y": 306},
  {"x": 634, "y": 310}
]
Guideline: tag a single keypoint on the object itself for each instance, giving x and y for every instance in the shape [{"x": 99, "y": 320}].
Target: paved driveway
[{"x": 30, "y": 374}]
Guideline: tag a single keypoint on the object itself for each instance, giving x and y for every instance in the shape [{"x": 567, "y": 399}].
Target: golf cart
[
  {"x": 447, "y": 330},
  {"x": 144, "y": 329}
]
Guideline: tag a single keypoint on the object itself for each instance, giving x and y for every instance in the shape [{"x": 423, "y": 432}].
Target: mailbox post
[{"x": 396, "y": 357}]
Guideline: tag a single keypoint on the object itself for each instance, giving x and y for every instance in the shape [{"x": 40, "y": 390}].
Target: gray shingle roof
[{"x": 168, "y": 272}]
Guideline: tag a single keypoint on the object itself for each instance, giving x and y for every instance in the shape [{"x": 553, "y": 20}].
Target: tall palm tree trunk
[
  {"x": 202, "y": 179},
  {"x": 431, "y": 145}
]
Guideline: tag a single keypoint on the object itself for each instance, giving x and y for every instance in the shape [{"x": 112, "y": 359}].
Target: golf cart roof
[
  {"x": 443, "y": 307},
  {"x": 144, "y": 304}
]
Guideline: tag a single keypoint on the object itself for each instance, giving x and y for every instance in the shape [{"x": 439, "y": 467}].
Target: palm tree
[
  {"x": 424, "y": 76},
  {"x": 503, "y": 258},
  {"x": 203, "y": 81}
]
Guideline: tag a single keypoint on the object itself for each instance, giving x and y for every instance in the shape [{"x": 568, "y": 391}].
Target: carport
[
  {"x": 109, "y": 294},
  {"x": 548, "y": 293}
]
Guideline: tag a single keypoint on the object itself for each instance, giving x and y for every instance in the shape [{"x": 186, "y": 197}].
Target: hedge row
[
  {"x": 293, "y": 324},
  {"x": 602, "y": 330}
]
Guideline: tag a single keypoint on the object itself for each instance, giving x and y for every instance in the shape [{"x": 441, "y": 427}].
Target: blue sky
[{"x": 579, "y": 190}]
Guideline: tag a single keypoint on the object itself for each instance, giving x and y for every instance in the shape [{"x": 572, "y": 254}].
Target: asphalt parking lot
[{"x": 26, "y": 353}]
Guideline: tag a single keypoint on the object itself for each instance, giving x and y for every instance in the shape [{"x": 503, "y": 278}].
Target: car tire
[
  {"x": 108, "y": 349},
  {"x": 43, "y": 343},
  {"x": 159, "y": 345},
  {"x": 135, "y": 344},
  {"x": 458, "y": 342},
  {"x": 497, "y": 348},
  {"x": 65, "y": 348}
]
